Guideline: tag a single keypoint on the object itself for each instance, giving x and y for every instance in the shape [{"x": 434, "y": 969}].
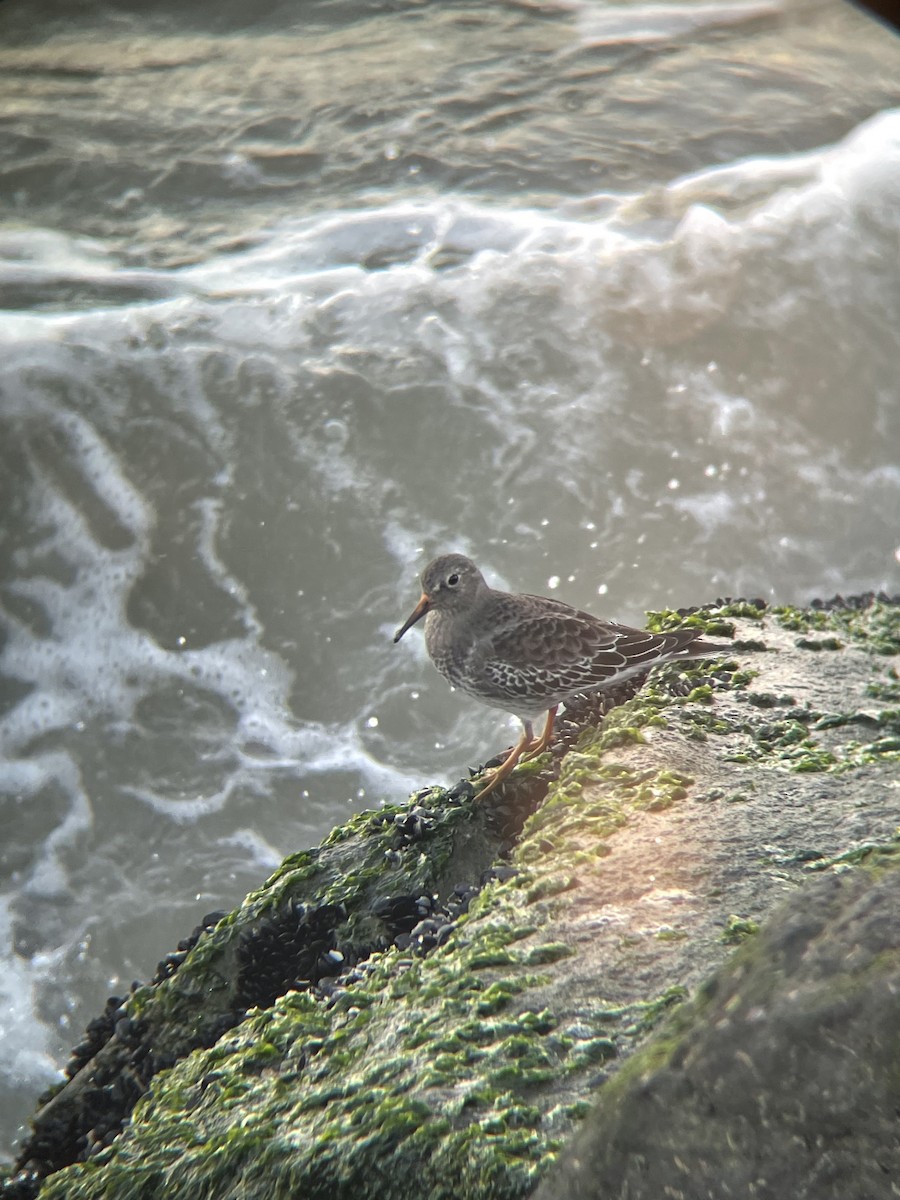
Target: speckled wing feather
[{"x": 543, "y": 650}]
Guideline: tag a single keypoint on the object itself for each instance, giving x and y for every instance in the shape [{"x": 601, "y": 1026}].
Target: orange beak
[{"x": 416, "y": 615}]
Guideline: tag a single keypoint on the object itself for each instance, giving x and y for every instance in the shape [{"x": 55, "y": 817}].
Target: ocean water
[{"x": 605, "y": 296}]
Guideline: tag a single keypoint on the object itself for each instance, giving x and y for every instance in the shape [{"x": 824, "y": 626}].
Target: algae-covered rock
[
  {"x": 429, "y": 1003},
  {"x": 781, "y": 1079}
]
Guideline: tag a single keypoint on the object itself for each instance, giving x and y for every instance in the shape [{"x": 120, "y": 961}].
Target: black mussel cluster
[
  {"x": 856, "y": 603},
  {"x": 294, "y": 947},
  {"x": 416, "y": 924}
]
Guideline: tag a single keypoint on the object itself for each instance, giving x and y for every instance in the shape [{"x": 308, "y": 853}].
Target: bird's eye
[{"x": 452, "y": 580}]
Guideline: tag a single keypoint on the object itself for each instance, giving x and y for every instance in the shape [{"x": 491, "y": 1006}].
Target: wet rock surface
[
  {"x": 284, "y": 938},
  {"x": 779, "y": 1080}
]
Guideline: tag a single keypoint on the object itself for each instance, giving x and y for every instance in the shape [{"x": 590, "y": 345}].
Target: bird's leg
[
  {"x": 498, "y": 774},
  {"x": 541, "y": 745}
]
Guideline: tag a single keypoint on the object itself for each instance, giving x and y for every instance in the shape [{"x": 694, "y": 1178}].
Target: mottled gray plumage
[{"x": 529, "y": 654}]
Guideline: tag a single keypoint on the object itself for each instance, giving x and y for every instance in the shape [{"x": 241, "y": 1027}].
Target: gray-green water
[{"x": 605, "y": 296}]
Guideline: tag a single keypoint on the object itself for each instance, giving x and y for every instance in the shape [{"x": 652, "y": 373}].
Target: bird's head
[{"x": 450, "y": 583}]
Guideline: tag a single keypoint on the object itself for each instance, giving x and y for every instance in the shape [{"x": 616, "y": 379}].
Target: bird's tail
[{"x": 687, "y": 643}]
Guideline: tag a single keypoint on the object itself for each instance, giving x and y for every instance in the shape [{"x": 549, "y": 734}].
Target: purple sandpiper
[{"x": 529, "y": 654}]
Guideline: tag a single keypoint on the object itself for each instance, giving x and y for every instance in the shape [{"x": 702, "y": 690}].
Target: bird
[{"x": 530, "y": 654}]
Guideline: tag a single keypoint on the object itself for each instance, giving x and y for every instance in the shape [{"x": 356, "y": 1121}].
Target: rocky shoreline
[{"x": 429, "y": 1002}]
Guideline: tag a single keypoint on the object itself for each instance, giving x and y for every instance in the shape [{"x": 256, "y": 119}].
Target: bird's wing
[{"x": 559, "y": 650}]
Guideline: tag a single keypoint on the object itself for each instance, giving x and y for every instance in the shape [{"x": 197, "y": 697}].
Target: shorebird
[{"x": 530, "y": 654}]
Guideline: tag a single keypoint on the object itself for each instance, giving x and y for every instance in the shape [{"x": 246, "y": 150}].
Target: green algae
[
  {"x": 624, "y": 787},
  {"x": 592, "y": 1051},
  {"x": 885, "y": 689},
  {"x": 794, "y": 742},
  {"x": 769, "y": 700},
  {"x": 874, "y": 856},
  {"x": 876, "y": 627},
  {"x": 801, "y": 620},
  {"x": 208, "y": 992},
  {"x": 738, "y": 929},
  {"x": 709, "y": 622},
  {"x": 548, "y": 953},
  {"x": 829, "y": 643},
  {"x": 487, "y": 1066},
  {"x": 438, "y": 1070}
]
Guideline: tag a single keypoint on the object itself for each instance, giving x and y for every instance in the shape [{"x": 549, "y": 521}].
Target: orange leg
[
  {"x": 498, "y": 774},
  {"x": 540, "y": 746}
]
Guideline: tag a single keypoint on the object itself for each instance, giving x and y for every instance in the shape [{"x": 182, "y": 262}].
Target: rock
[
  {"x": 313, "y": 1043},
  {"x": 780, "y": 1079}
]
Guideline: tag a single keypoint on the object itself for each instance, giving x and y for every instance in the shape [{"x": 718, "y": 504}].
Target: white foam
[
  {"x": 24, "y": 778},
  {"x": 25, "y": 1057},
  {"x": 642, "y": 23},
  {"x": 711, "y": 510},
  {"x": 255, "y": 849},
  {"x": 45, "y": 258}
]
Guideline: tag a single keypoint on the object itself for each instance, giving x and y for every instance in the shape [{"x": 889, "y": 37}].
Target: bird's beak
[{"x": 416, "y": 615}]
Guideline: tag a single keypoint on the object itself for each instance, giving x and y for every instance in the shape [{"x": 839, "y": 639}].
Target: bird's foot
[
  {"x": 537, "y": 747},
  {"x": 496, "y": 775},
  {"x": 535, "y": 751}
]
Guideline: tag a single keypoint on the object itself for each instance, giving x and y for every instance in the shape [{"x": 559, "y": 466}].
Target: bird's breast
[{"x": 448, "y": 646}]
